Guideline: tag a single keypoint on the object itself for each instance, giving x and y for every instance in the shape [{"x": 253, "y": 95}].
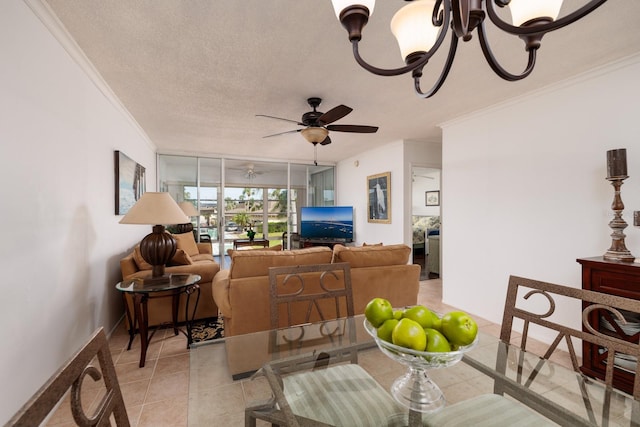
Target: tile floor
[{"x": 158, "y": 394}]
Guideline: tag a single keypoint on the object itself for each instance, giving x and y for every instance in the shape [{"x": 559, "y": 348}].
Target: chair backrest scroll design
[{"x": 71, "y": 376}]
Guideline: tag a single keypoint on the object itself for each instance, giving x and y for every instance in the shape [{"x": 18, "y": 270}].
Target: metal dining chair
[
  {"x": 72, "y": 377},
  {"x": 524, "y": 300},
  {"x": 321, "y": 389}
]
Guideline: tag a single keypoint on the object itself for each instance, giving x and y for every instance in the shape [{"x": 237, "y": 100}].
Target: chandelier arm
[
  {"x": 443, "y": 75},
  {"x": 541, "y": 28},
  {"x": 443, "y": 19},
  {"x": 424, "y": 58},
  {"x": 493, "y": 62}
]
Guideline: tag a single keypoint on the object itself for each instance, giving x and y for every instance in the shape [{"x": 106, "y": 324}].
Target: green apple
[
  {"x": 409, "y": 334},
  {"x": 436, "y": 322},
  {"x": 420, "y": 314},
  {"x": 397, "y": 314},
  {"x": 436, "y": 342},
  {"x": 459, "y": 328},
  {"x": 377, "y": 311},
  {"x": 386, "y": 329}
]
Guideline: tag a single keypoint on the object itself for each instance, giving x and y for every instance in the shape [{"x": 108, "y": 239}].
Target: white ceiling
[{"x": 195, "y": 73}]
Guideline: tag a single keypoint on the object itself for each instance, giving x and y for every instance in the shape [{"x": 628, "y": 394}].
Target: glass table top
[{"x": 173, "y": 281}]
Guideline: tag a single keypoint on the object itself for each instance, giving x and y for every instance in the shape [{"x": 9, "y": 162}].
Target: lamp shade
[
  {"x": 314, "y": 134},
  {"x": 340, "y": 5},
  {"x": 526, "y": 10},
  {"x": 188, "y": 209},
  {"x": 155, "y": 208},
  {"x": 413, "y": 28}
]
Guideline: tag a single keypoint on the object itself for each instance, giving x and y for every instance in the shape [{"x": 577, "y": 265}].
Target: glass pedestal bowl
[{"x": 415, "y": 389}]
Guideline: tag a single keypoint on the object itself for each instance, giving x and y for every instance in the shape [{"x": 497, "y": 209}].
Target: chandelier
[{"x": 421, "y": 26}]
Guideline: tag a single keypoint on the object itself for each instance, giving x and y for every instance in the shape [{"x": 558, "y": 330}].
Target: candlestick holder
[{"x": 618, "y": 250}]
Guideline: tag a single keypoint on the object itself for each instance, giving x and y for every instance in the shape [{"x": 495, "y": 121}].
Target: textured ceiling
[{"x": 195, "y": 73}]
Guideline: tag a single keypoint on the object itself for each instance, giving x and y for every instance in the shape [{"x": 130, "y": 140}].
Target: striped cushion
[
  {"x": 341, "y": 395},
  {"x": 489, "y": 410}
]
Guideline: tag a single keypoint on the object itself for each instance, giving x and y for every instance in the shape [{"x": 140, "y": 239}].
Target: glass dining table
[{"x": 548, "y": 387}]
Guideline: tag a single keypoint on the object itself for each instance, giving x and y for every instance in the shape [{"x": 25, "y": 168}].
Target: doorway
[{"x": 425, "y": 220}]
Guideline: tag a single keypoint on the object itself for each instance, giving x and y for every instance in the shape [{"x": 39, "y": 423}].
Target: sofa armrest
[
  {"x": 205, "y": 248},
  {"x": 128, "y": 266},
  {"x": 221, "y": 283}
]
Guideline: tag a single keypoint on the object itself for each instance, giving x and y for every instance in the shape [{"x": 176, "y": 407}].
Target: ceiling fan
[
  {"x": 318, "y": 124},
  {"x": 249, "y": 171}
]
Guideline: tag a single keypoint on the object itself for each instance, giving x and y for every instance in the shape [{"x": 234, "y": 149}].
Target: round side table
[{"x": 141, "y": 292}]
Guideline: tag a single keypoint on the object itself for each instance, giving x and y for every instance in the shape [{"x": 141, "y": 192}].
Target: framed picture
[
  {"x": 130, "y": 182},
  {"x": 432, "y": 198},
  {"x": 379, "y": 198}
]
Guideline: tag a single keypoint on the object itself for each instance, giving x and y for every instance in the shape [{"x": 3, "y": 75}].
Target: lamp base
[
  {"x": 184, "y": 228},
  {"x": 158, "y": 280},
  {"x": 157, "y": 249}
]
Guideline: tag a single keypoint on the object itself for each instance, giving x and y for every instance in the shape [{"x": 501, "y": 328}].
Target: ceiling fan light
[
  {"x": 314, "y": 134},
  {"x": 340, "y": 5},
  {"x": 525, "y": 10},
  {"x": 413, "y": 28}
]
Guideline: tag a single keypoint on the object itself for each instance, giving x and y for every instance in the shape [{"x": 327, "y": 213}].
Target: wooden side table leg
[
  {"x": 142, "y": 315},
  {"x": 131, "y": 320}
]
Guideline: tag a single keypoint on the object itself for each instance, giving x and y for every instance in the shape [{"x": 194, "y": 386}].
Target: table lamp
[
  {"x": 190, "y": 211},
  {"x": 158, "y": 247}
]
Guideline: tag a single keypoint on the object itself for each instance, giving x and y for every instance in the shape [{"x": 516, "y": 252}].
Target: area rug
[{"x": 207, "y": 329}]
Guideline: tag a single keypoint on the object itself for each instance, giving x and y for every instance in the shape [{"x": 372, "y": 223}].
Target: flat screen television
[{"x": 327, "y": 222}]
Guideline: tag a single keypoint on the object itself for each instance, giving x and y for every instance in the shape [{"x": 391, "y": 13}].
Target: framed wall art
[
  {"x": 130, "y": 182},
  {"x": 432, "y": 198},
  {"x": 379, "y": 198}
]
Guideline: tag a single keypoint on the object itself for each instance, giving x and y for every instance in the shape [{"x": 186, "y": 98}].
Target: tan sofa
[
  {"x": 190, "y": 258},
  {"x": 242, "y": 292}
]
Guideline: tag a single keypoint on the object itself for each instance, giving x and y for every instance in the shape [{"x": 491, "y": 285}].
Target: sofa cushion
[
  {"x": 140, "y": 262},
  {"x": 255, "y": 263},
  {"x": 187, "y": 243},
  {"x": 372, "y": 256},
  {"x": 202, "y": 257},
  {"x": 181, "y": 258}
]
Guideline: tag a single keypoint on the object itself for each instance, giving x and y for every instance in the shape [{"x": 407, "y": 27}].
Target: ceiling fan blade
[
  {"x": 336, "y": 113},
  {"x": 282, "y": 133},
  {"x": 353, "y": 128},
  {"x": 326, "y": 141},
  {"x": 280, "y": 118}
]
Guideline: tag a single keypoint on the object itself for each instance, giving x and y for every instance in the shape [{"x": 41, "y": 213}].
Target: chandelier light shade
[
  {"x": 422, "y": 26},
  {"x": 412, "y": 27},
  {"x": 158, "y": 247},
  {"x": 523, "y": 11},
  {"x": 315, "y": 135},
  {"x": 340, "y": 5}
]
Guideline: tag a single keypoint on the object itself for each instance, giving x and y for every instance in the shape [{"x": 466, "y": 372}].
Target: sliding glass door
[{"x": 233, "y": 196}]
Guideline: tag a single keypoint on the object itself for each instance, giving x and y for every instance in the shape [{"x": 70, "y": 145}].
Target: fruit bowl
[{"x": 415, "y": 389}]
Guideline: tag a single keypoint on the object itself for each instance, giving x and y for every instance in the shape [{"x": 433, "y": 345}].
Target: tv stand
[{"x": 307, "y": 243}]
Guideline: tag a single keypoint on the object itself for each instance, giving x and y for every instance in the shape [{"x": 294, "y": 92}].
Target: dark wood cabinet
[
  {"x": 307, "y": 243},
  {"x": 614, "y": 278}
]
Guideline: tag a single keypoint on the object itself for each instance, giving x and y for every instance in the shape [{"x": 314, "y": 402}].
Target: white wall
[
  {"x": 352, "y": 190},
  {"x": 524, "y": 189},
  {"x": 396, "y": 157},
  {"x": 420, "y": 186},
  {"x": 61, "y": 241}
]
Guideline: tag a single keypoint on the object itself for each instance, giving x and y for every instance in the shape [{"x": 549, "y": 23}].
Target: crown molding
[{"x": 57, "y": 29}]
